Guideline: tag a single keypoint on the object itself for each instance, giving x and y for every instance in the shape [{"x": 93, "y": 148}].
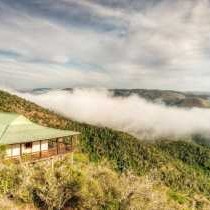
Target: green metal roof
[{"x": 16, "y": 128}]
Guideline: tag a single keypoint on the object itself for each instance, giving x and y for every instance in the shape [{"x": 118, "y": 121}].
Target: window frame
[{"x": 28, "y": 145}]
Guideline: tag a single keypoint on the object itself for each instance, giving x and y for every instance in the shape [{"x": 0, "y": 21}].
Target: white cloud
[
  {"x": 165, "y": 42},
  {"x": 19, "y": 74}
]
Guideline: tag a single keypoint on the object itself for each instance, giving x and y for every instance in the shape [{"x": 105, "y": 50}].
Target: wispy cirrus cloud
[{"x": 128, "y": 43}]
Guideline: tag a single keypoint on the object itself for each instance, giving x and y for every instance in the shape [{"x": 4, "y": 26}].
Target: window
[{"x": 28, "y": 145}]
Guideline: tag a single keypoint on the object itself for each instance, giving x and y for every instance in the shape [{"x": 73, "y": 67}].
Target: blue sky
[{"x": 160, "y": 44}]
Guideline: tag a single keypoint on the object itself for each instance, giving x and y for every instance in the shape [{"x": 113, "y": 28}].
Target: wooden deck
[{"x": 42, "y": 155}]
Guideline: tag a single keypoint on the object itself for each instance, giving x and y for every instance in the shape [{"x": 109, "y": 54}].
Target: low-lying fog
[{"x": 132, "y": 114}]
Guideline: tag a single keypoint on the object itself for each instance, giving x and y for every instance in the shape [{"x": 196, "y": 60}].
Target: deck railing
[{"x": 44, "y": 154}]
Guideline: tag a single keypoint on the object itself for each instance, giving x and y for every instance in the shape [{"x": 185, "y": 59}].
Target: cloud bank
[{"x": 132, "y": 114}]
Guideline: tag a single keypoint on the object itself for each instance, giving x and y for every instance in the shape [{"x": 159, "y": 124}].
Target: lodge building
[{"x": 25, "y": 139}]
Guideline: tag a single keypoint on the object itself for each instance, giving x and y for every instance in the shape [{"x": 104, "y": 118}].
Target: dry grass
[{"x": 7, "y": 204}]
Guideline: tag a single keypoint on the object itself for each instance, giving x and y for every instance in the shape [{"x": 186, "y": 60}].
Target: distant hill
[
  {"x": 168, "y": 97},
  {"x": 36, "y": 91},
  {"x": 182, "y": 167}
]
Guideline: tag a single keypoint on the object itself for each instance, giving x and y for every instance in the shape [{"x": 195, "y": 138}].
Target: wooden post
[
  {"x": 57, "y": 145},
  {"x": 20, "y": 150},
  {"x": 31, "y": 151},
  {"x": 11, "y": 150},
  {"x": 40, "y": 149}
]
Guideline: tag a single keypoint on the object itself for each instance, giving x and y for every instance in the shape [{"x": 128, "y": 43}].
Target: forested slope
[{"x": 180, "y": 166}]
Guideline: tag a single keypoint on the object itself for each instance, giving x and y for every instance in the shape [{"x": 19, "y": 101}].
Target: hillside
[{"x": 178, "y": 170}]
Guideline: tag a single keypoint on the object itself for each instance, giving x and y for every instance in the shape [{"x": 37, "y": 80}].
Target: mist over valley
[{"x": 146, "y": 114}]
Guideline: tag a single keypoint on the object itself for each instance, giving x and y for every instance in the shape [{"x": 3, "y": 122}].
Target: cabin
[{"x": 25, "y": 139}]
